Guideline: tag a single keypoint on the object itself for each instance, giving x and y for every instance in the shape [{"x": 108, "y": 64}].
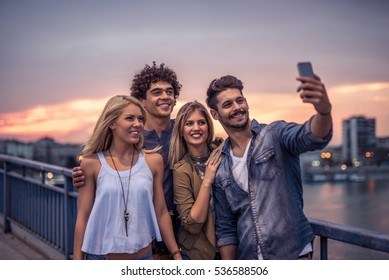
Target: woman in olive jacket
[{"x": 194, "y": 160}]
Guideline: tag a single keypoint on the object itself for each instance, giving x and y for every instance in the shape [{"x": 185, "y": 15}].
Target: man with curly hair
[{"x": 157, "y": 87}]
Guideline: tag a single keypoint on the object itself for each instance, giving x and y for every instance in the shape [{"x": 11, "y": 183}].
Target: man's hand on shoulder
[{"x": 78, "y": 177}]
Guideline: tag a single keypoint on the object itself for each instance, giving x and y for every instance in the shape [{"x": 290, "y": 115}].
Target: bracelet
[{"x": 175, "y": 253}]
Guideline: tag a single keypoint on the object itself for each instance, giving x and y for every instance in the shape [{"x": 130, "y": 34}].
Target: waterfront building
[
  {"x": 17, "y": 149},
  {"x": 383, "y": 142},
  {"x": 44, "y": 150},
  {"x": 49, "y": 151},
  {"x": 358, "y": 139}
]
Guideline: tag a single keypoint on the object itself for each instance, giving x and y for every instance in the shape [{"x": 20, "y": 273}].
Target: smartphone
[{"x": 305, "y": 69}]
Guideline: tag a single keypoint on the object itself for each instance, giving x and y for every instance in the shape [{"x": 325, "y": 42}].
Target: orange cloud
[
  {"x": 370, "y": 87},
  {"x": 54, "y": 121},
  {"x": 73, "y": 121}
]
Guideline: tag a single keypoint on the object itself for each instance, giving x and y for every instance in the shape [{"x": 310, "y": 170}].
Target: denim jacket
[{"x": 270, "y": 215}]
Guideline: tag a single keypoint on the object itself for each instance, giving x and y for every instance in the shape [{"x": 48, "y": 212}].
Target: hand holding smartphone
[{"x": 305, "y": 69}]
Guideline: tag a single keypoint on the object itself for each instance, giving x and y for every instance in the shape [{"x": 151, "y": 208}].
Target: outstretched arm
[{"x": 313, "y": 91}]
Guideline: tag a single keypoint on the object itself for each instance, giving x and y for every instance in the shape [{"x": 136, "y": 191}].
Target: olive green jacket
[{"x": 197, "y": 240}]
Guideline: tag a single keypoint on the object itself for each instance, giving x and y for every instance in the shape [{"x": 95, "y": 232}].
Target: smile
[
  {"x": 134, "y": 132},
  {"x": 238, "y": 114},
  {"x": 165, "y": 104},
  {"x": 196, "y": 135}
]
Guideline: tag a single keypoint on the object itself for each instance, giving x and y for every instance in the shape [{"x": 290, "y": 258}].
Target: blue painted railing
[
  {"x": 30, "y": 198},
  {"x": 48, "y": 210}
]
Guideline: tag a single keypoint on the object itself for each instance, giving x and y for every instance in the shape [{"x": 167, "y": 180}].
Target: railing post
[
  {"x": 43, "y": 177},
  {"x": 66, "y": 217},
  {"x": 7, "y": 199},
  {"x": 70, "y": 209},
  {"x": 323, "y": 248}
]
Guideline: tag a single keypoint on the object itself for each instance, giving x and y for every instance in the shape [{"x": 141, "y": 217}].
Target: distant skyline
[{"x": 60, "y": 61}]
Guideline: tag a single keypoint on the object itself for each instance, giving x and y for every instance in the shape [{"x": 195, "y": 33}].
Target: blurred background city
[{"x": 361, "y": 155}]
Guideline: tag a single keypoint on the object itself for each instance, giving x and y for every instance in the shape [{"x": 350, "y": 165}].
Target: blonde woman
[
  {"x": 194, "y": 166},
  {"x": 121, "y": 208}
]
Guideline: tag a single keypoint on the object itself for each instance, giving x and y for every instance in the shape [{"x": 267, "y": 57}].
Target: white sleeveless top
[{"x": 105, "y": 232}]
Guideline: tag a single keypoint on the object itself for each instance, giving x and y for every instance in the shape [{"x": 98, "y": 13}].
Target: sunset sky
[{"x": 60, "y": 61}]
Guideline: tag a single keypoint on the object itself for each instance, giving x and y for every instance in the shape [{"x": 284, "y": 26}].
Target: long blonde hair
[
  {"x": 101, "y": 138},
  {"x": 178, "y": 147}
]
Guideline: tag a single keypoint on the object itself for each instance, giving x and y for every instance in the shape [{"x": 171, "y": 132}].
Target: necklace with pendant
[
  {"x": 125, "y": 198},
  {"x": 200, "y": 164}
]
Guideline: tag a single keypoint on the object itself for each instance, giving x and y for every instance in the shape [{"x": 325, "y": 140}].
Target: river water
[{"x": 362, "y": 204}]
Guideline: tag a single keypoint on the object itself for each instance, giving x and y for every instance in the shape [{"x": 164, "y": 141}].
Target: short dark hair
[
  {"x": 219, "y": 85},
  {"x": 153, "y": 74}
]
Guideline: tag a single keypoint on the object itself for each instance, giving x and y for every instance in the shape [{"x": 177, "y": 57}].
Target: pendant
[{"x": 126, "y": 218}]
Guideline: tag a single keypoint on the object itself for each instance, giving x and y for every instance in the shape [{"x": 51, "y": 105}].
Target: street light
[{"x": 369, "y": 154}]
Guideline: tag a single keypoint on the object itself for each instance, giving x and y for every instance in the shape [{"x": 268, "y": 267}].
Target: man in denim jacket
[{"x": 257, "y": 191}]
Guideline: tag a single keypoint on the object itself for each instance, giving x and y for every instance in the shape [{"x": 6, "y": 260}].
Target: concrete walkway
[{"x": 13, "y": 248}]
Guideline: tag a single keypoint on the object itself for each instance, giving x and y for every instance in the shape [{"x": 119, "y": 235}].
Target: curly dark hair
[
  {"x": 219, "y": 85},
  {"x": 152, "y": 74}
]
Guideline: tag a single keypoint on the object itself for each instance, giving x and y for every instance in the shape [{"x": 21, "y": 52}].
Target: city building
[
  {"x": 358, "y": 139},
  {"x": 17, "y": 149},
  {"x": 383, "y": 142},
  {"x": 43, "y": 150},
  {"x": 49, "y": 151}
]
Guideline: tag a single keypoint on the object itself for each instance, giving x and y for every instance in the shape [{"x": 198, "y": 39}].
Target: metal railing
[
  {"x": 48, "y": 210},
  {"x": 31, "y": 198},
  {"x": 348, "y": 234}
]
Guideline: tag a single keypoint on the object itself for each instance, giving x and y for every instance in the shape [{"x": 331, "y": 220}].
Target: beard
[{"x": 238, "y": 126}]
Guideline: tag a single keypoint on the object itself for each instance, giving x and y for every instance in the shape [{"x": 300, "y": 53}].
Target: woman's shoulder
[
  {"x": 183, "y": 163},
  {"x": 153, "y": 158},
  {"x": 90, "y": 162},
  {"x": 90, "y": 165},
  {"x": 217, "y": 142}
]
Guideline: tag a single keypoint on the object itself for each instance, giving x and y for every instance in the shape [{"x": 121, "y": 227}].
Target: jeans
[{"x": 148, "y": 256}]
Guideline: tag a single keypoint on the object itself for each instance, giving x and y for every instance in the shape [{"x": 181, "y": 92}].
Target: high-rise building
[{"x": 358, "y": 138}]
